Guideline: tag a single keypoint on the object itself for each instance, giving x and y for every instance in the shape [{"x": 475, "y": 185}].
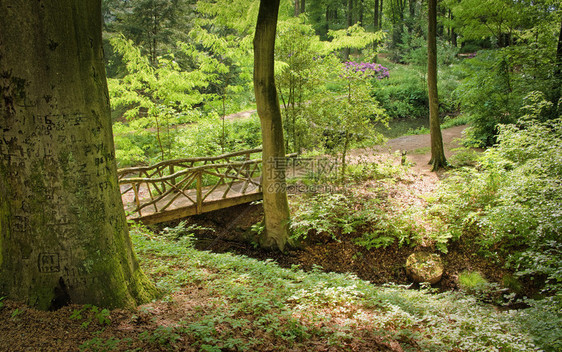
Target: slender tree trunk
[
  {"x": 380, "y": 14},
  {"x": 438, "y": 160},
  {"x": 223, "y": 139},
  {"x": 153, "y": 51},
  {"x": 158, "y": 138},
  {"x": 361, "y": 11},
  {"x": 276, "y": 207},
  {"x": 558, "y": 75},
  {"x": 349, "y": 23},
  {"x": 558, "y": 71},
  {"x": 63, "y": 232},
  {"x": 297, "y": 8},
  {"x": 327, "y": 27},
  {"x": 349, "y": 13},
  {"x": 303, "y": 6},
  {"x": 376, "y": 16},
  {"x": 453, "y": 35},
  {"x": 344, "y": 155}
]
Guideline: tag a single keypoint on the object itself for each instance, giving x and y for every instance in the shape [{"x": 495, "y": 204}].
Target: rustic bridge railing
[{"x": 178, "y": 188}]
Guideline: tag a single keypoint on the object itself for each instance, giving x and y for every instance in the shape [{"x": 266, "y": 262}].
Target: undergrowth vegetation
[
  {"x": 513, "y": 201},
  {"x": 361, "y": 206},
  {"x": 249, "y": 304},
  {"x": 505, "y": 202}
]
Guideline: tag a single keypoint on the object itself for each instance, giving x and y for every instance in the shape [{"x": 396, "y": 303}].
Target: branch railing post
[
  {"x": 199, "y": 191},
  {"x": 160, "y": 185},
  {"x": 172, "y": 171}
]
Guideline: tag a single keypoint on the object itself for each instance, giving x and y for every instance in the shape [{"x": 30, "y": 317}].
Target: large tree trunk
[
  {"x": 276, "y": 207},
  {"x": 438, "y": 160},
  {"x": 63, "y": 232}
]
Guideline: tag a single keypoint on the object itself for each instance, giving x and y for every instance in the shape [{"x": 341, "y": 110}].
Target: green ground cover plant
[
  {"x": 256, "y": 301},
  {"x": 359, "y": 209}
]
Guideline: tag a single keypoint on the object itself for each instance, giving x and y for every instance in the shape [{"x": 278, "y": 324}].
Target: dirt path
[
  {"x": 418, "y": 150},
  {"x": 418, "y": 146},
  {"x": 240, "y": 115}
]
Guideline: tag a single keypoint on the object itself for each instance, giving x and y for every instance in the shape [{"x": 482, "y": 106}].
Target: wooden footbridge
[{"x": 175, "y": 189}]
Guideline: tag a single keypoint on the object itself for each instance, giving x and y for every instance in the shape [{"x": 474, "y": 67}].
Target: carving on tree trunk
[{"x": 63, "y": 233}]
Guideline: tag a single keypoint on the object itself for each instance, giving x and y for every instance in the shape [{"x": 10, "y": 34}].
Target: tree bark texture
[
  {"x": 380, "y": 13},
  {"x": 558, "y": 74},
  {"x": 437, "y": 153},
  {"x": 376, "y": 16},
  {"x": 361, "y": 12},
  {"x": 276, "y": 207},
  {"x": 349, "y": 23},
  {"x": 63, "y": 232}
]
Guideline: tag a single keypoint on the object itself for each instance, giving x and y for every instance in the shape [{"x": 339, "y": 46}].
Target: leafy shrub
[
  {"x": 413, "y": 50},
  {"x": 332, "y": 215},
  {"x": 513, "y": 200},
  {"x": 464, "y": 157},
  {"x": 324, "y": 213},
  {"x": 486, "y": 94},
  {"x": 500, "y": 86},
  {"x": 475, "y": 284},
  {"x": 404, "y": 93},
  {"x": 135, "y": 144},
  {"x": 528, "y": 203},
  {"x": 182, "y": 232}
]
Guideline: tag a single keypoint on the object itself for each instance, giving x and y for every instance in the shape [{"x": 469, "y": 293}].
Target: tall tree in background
[
  {"x": 300, "y": 7},
  {"x": 63, "y": 232},
  {"x": 396, "y": 10},
  {"x": 438, "y": 160},
  {"x": 349, "y": 23},
  {"x": 154, "y": 25},
  {"x": 558, "y": 74},
  {"x": 380, "y": 13},
  {"x": 377, "y": 15},
  {"x": 275, "y": 204}
]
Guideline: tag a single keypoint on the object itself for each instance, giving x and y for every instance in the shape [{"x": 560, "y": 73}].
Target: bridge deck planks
[{"x": 183, "y": 207}]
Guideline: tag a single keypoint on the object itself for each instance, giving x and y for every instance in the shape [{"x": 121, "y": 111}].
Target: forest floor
[
  {"x": 26, "y": 329},
  {"x": 379, "y": 266}
]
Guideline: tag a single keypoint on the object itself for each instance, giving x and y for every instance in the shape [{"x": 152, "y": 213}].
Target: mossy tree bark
[
  {"x": 275, "y": 203},
  {"x": 438, "y": 160},
  {"x": 63, "y": 232}
]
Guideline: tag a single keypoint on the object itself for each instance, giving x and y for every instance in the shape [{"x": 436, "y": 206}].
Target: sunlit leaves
[
  {"x": 354, "y": 37},
  {"x": 146, "y": 86}
]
